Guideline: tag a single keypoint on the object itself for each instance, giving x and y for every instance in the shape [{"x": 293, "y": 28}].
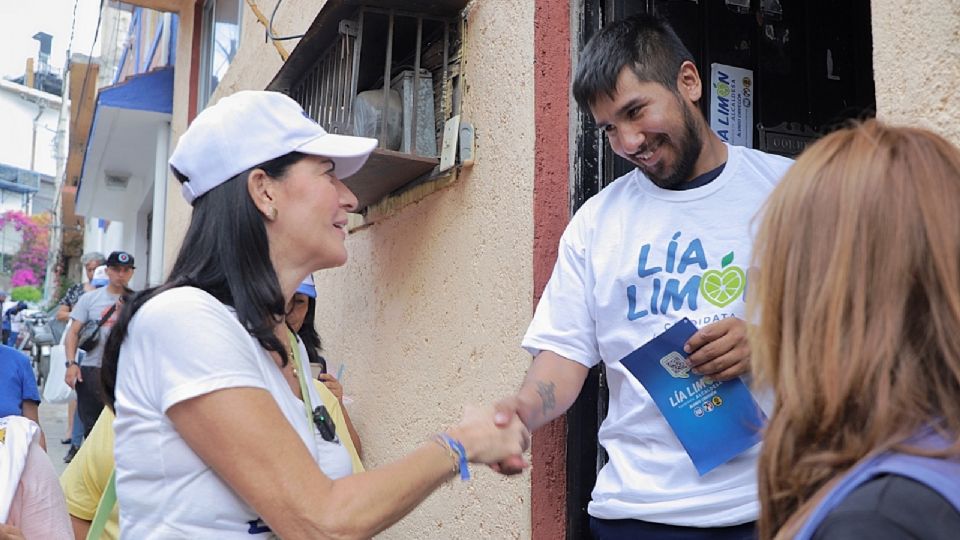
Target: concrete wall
[
  {"x": 428, "y": 313},
  {"x": 178, "y": 211},
  {"x": 916, "y": 58}
]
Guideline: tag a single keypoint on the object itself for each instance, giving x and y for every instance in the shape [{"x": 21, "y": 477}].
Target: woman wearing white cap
[{"x": 218, "y": 434}]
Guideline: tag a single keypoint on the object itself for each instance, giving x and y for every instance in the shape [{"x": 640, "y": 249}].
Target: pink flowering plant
[
  {"x": 23, "y": 276},
  {"x": 30, "y": 262}
]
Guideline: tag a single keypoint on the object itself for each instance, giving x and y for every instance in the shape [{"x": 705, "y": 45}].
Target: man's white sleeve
[{"x": 564, "y": 321}]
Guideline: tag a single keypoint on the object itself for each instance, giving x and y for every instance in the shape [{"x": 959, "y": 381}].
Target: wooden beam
[
  {"x": 266, "y": 24},
  {"x": 28, "y": 74}
]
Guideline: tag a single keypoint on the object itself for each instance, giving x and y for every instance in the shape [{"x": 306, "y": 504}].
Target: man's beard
[{"x": 688, "y": 152}]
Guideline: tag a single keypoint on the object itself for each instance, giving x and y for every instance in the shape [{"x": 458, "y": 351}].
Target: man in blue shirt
[{"x": 19, "y": 395}]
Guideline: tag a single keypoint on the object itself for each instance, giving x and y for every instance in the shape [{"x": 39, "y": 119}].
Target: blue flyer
[{"x": 715, "y": 421}]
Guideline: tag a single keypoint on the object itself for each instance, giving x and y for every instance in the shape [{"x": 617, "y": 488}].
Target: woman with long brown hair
[{"x": 858, "y": 304}]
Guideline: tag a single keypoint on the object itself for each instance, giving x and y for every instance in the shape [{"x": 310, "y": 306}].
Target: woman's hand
[
  {"x": 332, "y": 384},
  {"x": 484, "y": 441},
  {"x": 9, "y": 532}
]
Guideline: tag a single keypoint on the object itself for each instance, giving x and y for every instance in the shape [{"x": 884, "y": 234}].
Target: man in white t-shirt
[{"x": 632, "y": 262}]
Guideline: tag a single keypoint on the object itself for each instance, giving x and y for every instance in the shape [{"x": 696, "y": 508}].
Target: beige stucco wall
[
  {"x": 916, "y": 57},
  {"x": 177, "y": 216},
  {"x": 428, "y": 313}
]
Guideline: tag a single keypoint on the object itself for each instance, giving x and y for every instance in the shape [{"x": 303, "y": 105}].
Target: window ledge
[{"x": 385, "y": 172}]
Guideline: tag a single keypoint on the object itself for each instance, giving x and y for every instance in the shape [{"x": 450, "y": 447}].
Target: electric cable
[
  {"x": 73, "y": 30},
  {"x": 86, "y": 72},
  {"x": 270, "y": 26}
]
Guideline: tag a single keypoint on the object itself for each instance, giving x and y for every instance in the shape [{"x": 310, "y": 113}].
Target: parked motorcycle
[{"x": 35, "y": 340}]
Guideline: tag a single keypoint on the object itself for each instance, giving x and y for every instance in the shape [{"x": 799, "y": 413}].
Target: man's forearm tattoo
[{"x": 547, "y": 397}]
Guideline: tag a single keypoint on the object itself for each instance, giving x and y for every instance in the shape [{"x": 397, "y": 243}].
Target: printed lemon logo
[
  {"x": 723, "y": 89},
  {"x": 720, "y": 287}
]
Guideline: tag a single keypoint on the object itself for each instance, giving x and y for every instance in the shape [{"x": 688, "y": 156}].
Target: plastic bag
[
  {"x": 56, "y": 390},
  {"x": 367, "y": 114}
]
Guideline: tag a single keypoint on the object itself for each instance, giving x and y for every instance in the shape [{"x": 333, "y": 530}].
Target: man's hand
[
  {"x": 720, "y": 350},
  {"x": 506, "y": 409},
  {"x": 73, "y": 376},
  {"x": 552, "y": 384}
]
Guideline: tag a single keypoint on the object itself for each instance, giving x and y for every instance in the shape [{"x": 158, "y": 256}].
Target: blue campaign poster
[{"x": 715, "y": 421}]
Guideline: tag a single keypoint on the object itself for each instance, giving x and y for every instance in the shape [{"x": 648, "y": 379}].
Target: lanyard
[
  {"x": 107, "y": 501},
  {"x": 307, "y": 404}
]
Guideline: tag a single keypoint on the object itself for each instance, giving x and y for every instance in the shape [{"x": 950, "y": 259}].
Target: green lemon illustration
[
  {"x": 723, "y": 89},
  {"x": 720, "y": 287}
]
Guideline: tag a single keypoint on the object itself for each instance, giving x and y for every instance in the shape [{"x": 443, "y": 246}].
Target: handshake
[{"x": 495, "y": 436}]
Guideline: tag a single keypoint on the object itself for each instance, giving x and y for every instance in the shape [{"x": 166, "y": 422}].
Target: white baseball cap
[{"x": 248, "y": 128}]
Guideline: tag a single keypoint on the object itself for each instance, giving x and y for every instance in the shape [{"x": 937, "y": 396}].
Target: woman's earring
[{"x": 273, "y": 213}]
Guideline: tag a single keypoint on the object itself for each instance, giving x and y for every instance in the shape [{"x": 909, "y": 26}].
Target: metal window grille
[
  {"x": 361, "y": 59},
  {"x": 326, "y": 91}
]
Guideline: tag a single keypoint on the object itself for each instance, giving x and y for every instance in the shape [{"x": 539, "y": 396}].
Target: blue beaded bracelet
[{"x": 461, "y": 452}]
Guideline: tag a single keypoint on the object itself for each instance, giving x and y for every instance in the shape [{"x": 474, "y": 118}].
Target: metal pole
[
  {"x": 386, "y": 82},
  {"x": 446, "y": 73},
  {"x": 416, "y": 89},
  {"x": 355, "y": 74}
]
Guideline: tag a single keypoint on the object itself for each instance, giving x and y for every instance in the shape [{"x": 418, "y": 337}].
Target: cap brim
[
  {"x": 307, "y": 290},
  {"x": 348, "y": 153}
]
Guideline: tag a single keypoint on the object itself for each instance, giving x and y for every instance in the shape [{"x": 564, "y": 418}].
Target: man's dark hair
[
  {"x": 646, "y": 43},
  {"x": 225, "y": 253}
]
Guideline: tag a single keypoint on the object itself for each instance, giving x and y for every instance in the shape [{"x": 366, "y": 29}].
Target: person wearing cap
[
  {"x": 99, "y": 305},
  {"x": 13, "y": 315},
  {"x": 90, "y": 262},
  {"x": 300, "y": 318},
  {"x": 203, "y": 375},
  {"x": 100, "y": 278}
]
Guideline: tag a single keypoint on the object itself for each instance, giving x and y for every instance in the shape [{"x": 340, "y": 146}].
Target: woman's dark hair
[
  {"x": 225, "y": 253},
  {"x": 309, "y": 336}
]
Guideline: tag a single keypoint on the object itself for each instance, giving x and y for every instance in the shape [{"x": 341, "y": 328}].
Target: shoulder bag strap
[{"x": 107, "y": 315}]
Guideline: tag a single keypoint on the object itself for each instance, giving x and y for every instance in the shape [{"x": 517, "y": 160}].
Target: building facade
[
  {"x": 121, "y": 188},
  {"x": 446, "y": 264}
]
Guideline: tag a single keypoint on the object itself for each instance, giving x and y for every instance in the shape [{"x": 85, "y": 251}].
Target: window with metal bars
[{"x": 385, "y": 73}]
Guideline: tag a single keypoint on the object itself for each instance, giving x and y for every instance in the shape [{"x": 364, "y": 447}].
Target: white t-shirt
[
  {"x": 183, "y": 343},
  {"x": 630, "y": 264}
]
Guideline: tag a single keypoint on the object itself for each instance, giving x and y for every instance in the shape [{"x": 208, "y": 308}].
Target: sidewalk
[{"x": 53, "y": 420}]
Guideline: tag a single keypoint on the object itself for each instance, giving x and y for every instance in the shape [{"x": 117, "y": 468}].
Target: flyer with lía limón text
[{"x": 714, "y": 420}]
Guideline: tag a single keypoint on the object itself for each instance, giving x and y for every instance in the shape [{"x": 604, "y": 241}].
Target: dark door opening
[{"x": 812, "y": 70}]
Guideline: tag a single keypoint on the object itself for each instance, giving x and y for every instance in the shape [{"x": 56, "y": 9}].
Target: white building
[
  {"x": 122, "y": 185},
  {"x": 28, "y": 160}
]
